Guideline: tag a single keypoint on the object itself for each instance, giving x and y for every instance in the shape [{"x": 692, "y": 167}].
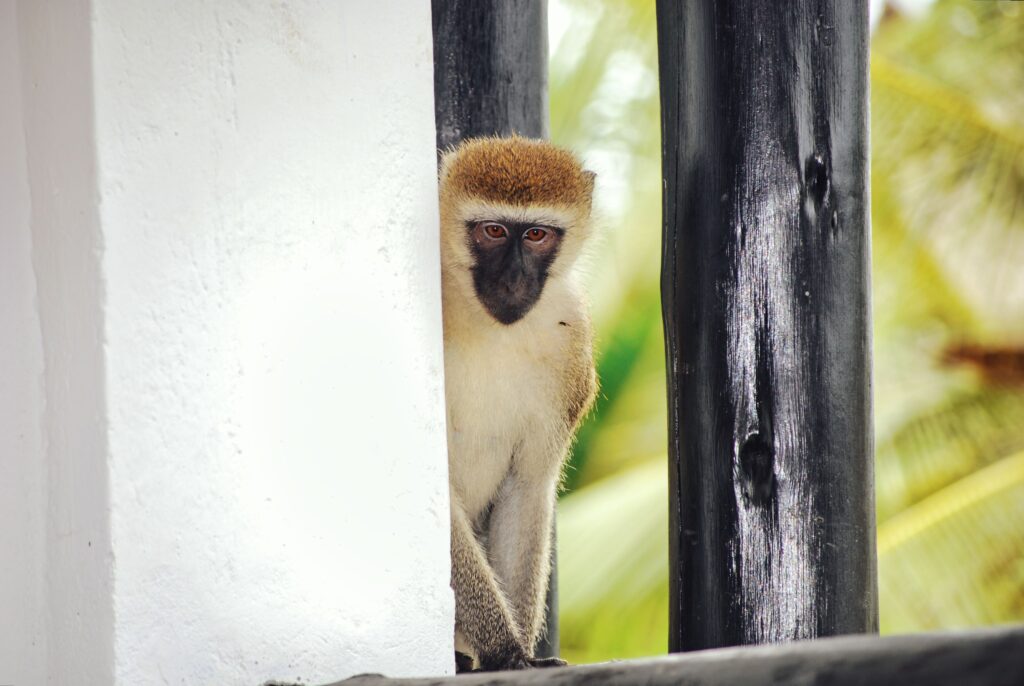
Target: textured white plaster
[{"x": 278, "y": 465}]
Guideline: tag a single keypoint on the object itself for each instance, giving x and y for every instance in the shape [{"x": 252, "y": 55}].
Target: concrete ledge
[{"x": 993, "y": 657}]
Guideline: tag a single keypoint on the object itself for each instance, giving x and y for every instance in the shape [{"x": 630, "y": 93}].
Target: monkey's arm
[
  {"x": 481, "y": 611},
  {"x": 519, "y": 546}
]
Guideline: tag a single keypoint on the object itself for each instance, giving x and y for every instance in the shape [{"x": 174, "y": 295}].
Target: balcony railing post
[
  {"x": 490, "y": 68},
  {"x": 766, "y": 309}
]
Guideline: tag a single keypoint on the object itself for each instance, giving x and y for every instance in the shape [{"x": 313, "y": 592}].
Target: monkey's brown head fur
[
  {"x": 528, "y": 188},
  {"x": 518, "y": 171}
]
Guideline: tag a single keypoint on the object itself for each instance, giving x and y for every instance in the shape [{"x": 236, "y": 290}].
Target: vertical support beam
[
  {"x": 765, "y": 296},
  {"x": 491, "y": 78}
]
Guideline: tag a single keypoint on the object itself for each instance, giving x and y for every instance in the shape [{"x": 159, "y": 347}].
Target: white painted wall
[{"x": 234, "y": 235}]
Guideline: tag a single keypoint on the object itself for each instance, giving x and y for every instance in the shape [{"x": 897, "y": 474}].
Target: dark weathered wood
[
  {"x": 490, "y": 68},
  {"x": 491, "y": 78},
  {"x": 765, "y": 297},
  {"x": 990, "y": 657}
]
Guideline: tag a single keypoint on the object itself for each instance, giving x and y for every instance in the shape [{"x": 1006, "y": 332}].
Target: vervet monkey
[{"x": 519, "y": 375}]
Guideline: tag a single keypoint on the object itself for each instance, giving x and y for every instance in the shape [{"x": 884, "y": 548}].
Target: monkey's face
[
  {"x": 514, "y": 215},
  {"x": 511, "y": 264}
]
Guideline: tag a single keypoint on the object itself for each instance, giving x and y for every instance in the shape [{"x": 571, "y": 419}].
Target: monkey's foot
[
  {"x": 512, "y": 662},
  {"x": 463, "y": 663},
  {"x": 501, "y": 663}
]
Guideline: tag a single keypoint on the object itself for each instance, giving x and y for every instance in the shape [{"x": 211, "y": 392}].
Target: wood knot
[
  {"x": 756, "y": 470},
  {"x": 816, "y": 179}
]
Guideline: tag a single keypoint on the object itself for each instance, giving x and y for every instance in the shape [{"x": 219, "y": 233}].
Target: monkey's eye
[
  {"x": 535, "y": 234},
  {"x": 494, "y": 230}
]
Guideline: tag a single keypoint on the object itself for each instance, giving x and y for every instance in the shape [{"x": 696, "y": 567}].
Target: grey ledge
[{"x": 994, "y": 657}]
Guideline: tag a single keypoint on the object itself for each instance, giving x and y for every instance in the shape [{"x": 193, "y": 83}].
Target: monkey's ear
[
  {"x": 589, "y": 178},
  {"x": 588, "y": 181}
]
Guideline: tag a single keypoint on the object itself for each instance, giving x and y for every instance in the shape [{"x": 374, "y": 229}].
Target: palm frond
[
  {"x": 948, "y": 140},
  {"x": 613, "y": 571},
  {"x": 956, "y": 559},
  {"x": 968, "y": 432}
]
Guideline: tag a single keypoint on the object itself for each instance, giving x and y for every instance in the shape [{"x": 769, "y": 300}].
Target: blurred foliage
[{"x": 947, "y": 186}]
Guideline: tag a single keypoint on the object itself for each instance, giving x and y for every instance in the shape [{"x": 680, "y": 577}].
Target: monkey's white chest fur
[{"x": 504, "y": 398}]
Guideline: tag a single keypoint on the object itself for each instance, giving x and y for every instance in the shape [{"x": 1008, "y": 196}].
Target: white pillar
[
  {"x": 234, "y": 230},
  {"x": 22, "y": 470}
]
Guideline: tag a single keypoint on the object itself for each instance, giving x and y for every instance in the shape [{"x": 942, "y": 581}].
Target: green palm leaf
[
  {"x": 970, "y": 431},
  {"x": 957, "y": 557},
  {"x": 948, "y": 141},
  {"x": 613, "y": 570}
]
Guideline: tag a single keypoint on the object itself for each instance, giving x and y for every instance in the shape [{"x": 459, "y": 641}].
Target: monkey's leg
[
  {"x": 519, "y": 547},
  {"x": 481, "y": 611}
]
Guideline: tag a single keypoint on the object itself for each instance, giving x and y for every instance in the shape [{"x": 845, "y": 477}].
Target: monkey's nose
[{"x": 513, "y": 284}]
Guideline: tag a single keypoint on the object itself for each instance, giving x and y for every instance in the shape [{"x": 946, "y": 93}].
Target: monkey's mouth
[
  {"x": 508, "y": 305},
  {"x": 507, "y": 312}
]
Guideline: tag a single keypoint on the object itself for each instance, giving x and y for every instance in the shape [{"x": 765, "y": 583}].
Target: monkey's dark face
[{"x": 512, "y": 263}]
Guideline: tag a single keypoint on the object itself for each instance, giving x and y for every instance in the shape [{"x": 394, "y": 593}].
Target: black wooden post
[
  {"x": 490, "y": 68},
  {"x": 765, "y": 297},
  {"x": 491, "y": 78}
]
